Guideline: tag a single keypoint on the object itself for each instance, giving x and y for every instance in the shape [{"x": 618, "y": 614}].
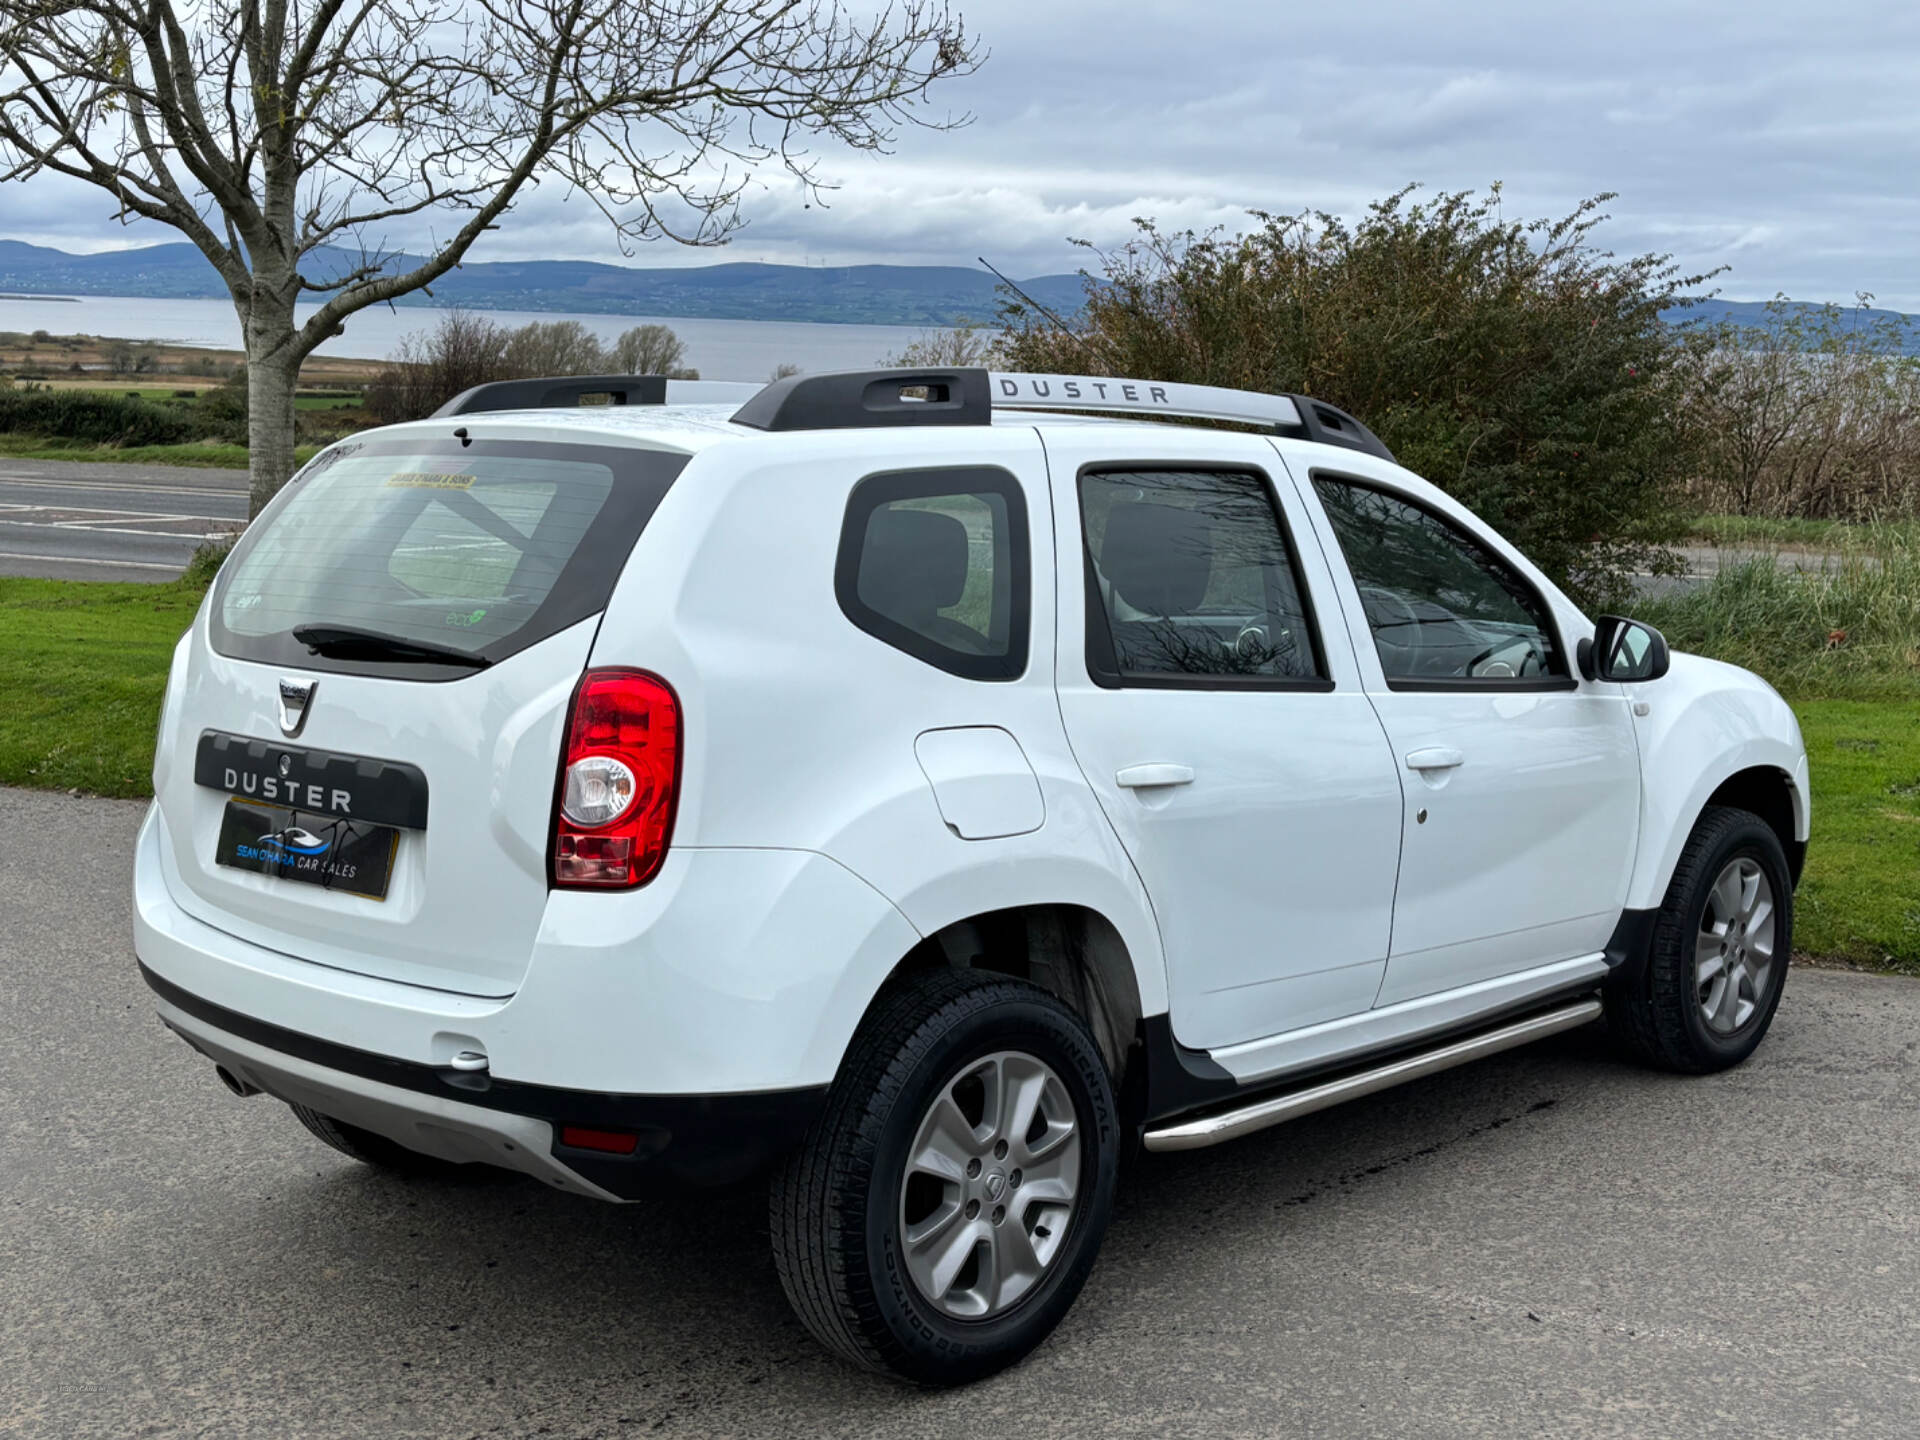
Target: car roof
[{"x": 693, "y": 428}]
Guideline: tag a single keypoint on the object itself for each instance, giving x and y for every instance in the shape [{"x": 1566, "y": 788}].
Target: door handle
[
  {"x": 1144, "y": 777},
  {"x": 1434, "y": 757}
]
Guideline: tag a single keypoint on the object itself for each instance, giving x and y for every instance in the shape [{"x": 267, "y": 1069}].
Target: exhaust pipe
[{"x": 234, "y": 1083}]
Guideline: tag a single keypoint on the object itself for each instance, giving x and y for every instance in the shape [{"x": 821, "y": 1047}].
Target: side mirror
[{"x": 1623, "y": 650}]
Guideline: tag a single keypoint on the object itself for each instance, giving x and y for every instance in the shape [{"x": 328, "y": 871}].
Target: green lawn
[
  {"x": 82, "y": 669},
  {"x": 1860, "y": 899},
  {"x": 83, "y": 666}
]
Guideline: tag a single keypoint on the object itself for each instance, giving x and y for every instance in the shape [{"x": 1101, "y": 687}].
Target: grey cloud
[{"x": 1781, "y": 141}]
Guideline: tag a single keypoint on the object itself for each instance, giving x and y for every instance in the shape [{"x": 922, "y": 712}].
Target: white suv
[{"x": 922, "y": 793}]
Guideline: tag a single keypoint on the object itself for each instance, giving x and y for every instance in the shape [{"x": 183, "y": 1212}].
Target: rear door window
[
  {"x": 1192, "y": 581},
  {"x": 481, "y": 549}
]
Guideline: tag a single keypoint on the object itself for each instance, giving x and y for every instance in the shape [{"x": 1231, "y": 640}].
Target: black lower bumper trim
[{"x": 702, "y": 1139}]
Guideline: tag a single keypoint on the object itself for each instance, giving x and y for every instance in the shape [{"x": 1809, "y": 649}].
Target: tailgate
[
  {"x": 466, "y": 891},
  {"x": 365, "y": 744}
]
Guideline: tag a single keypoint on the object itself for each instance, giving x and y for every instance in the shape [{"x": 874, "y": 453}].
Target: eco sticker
[
  {"x": 462, "y": 621},
  {"x": 428, "y": 480}
]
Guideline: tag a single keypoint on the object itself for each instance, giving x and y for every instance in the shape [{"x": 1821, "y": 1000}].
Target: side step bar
[{"x": 1232, "y": 1124}]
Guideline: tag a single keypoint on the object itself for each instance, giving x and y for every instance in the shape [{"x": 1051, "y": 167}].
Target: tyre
[
  {"x": 377, "y": 1150},
  {"x": 947, "y": 1204},
  {"x": 1717, "y": 964}
]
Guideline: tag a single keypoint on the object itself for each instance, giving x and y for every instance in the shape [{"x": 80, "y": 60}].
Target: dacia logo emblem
[{"x": 295, "y": 697}]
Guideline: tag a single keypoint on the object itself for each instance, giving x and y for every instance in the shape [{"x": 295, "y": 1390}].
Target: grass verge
[
  {"x": 82, "y": 669},
  {"x": 1860, "y": 898},
  {"x": 1762, "y": 531},
  {"x": 1849, "y": 630},
  {"x": 209, "y": 456}
]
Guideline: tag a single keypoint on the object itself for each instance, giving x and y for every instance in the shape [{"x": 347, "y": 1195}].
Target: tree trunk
[{"x": 271, "y": 378}]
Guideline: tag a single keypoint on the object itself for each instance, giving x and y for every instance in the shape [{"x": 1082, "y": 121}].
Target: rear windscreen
[{"x": 483, "y": 548}]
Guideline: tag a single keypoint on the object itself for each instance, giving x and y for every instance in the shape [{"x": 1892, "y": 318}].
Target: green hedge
[{"x": 98, "y": 419}]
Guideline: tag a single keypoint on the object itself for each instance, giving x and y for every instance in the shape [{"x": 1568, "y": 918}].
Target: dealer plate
[{"x": 307, "y": 847}]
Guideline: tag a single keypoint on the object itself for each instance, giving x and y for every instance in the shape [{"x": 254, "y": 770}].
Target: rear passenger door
[{"x": 1224, "y": 730}]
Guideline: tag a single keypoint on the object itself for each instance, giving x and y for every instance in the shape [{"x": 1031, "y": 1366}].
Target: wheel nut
[
  {"x": 973, "y": 1169},
  {"x": 1013, "y": 1180},
  {"x": 973, "y": 1208},
  {"x": 999, "y": 1213},
  {"x": 999, "y": 1149}
]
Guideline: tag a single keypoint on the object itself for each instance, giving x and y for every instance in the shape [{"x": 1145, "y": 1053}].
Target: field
[
  {"x": 51, "y": 358},
  {"x": 83, "y": 667}
]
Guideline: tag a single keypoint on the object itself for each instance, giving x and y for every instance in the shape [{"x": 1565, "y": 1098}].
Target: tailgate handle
[
  {"x": 1435, "y": 757},
  {"x": 1146, "y": 777}
]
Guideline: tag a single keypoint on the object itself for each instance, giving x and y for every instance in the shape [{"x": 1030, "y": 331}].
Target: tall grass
[{"x": 1848, "y": 629}]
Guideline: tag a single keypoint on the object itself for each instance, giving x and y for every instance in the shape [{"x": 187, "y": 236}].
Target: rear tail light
[{"x": 619, "y": 774}]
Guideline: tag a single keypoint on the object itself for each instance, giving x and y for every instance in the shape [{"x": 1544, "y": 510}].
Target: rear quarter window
[
  {"x": 935, "y": 564},
  {"x": 485, "y": 548}
]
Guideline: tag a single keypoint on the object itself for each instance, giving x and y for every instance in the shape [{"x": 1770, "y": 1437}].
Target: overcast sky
[{"x": 1781, "y": 139}]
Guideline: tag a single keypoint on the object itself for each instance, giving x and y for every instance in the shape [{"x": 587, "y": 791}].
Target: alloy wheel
[
  {"x": 992, "y": 1178},
  {"x": 1734, "y": 951}
]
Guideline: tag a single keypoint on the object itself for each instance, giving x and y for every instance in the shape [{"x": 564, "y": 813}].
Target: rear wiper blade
[{"x": 349, "y": 641}]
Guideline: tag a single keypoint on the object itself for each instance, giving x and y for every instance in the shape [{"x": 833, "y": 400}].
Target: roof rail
[
  {"x": 554, "y": 392},
  {"x": 862, "y": 399}
]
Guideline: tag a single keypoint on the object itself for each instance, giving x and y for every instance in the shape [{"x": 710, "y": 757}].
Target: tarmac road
[
  {"x": 1545, "y": 1244},
  {"x": 72, "y": 521}
]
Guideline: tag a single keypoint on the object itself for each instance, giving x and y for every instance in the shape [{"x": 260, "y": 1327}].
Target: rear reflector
[
  {"x": 611, "y": 1142},
  {"x": 613, "y": 813}
]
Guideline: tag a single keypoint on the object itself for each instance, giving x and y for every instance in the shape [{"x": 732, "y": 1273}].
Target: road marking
[
  {"x": 107, "y": 527},
  {"x": 83, "y": 560},
  {"x": 237, "y": 494},
  {"x": 14, "y": 507}
]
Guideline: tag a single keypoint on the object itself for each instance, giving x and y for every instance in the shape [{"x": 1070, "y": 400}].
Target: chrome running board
[{"x": 1258, "y": 1115}]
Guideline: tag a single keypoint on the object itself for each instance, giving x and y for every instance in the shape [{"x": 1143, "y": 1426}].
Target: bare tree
[
  {"x": 1814, "y": 413},
  {"x": 287, "y": 138},
  {"x": 964, "y": 347},
  {"x": 650, "y": 350},
  {"x": 432, "y": 366},
  {"x": 554, "y": 347}
]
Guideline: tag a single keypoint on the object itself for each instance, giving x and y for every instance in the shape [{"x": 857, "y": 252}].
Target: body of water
[{"x": 718, "y": 349}]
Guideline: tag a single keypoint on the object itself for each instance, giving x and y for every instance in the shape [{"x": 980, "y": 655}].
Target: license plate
[{"x": 307, "y": 847}]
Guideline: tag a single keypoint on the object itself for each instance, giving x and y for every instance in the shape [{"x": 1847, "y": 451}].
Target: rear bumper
[
  {"x": 733, "y": 972},
  {"x": 701, "y": 1139}
]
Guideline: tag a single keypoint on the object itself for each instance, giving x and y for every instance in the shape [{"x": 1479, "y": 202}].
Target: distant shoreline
[{"x": 45, "y": 299}]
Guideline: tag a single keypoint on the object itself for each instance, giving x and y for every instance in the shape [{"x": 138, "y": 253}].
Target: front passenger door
[{"x": 1522, "y": 780}]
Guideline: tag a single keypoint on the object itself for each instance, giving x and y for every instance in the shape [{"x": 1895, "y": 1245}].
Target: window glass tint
[
  {"x": 484, "y": 549},
  {"x": 934, "y": 563},
  {"x": 449, "y": 552},
  {"x": 1441, "y": 605},
  {"x": 1193, "y": 577}
]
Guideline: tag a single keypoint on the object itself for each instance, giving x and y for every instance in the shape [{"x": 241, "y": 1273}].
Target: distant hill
[
  {"x": 1755, "y": 314},
  {"x": 931, "y": 295}
]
